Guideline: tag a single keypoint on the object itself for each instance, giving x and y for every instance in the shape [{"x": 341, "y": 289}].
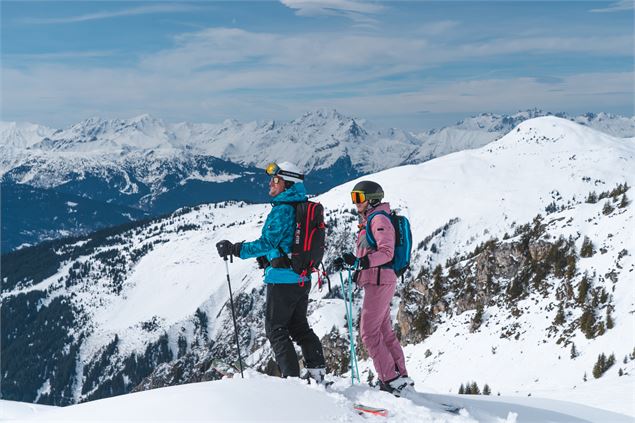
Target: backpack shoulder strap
[{"x": 369, "y": 234}]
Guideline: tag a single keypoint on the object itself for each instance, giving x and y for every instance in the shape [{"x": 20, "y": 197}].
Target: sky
[{"x": 413, "y": 65}]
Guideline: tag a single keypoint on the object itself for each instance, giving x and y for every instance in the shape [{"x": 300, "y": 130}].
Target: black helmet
[{"x": 371, "y": 191}]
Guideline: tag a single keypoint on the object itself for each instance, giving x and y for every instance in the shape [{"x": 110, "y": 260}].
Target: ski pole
[
  {"x": 349, "y": 318},
  {"x": 350, "y": 302},
  {"x": 231, "y": 302}
]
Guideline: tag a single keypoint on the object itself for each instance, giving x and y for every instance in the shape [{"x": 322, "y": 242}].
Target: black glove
[
  {"x": 226, "y": 248},
  {"x": 338, "y": 264},
  {"x": 347, "y": 259},
  {"x": 263, "y": 263}
]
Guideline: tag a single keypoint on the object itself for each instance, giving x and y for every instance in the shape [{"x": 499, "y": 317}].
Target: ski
[
  {"x": 422, "y": 399},
  {"x": 365, "y": 409}
]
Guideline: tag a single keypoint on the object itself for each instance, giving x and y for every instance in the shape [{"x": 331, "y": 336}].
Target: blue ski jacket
[{"x": 278, "y": 232}]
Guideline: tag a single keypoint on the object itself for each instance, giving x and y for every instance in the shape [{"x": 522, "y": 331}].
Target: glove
[
  {"x": 338, "y": 264},
  {"x": 364, "y": 262},
  {"x": 347, "y": 259},
  {"x": 263, "y": 263},
  {"x": 226, "y": 248}
]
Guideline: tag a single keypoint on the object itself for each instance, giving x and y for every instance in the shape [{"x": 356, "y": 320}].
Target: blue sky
[{"x": 413, "y": 65}]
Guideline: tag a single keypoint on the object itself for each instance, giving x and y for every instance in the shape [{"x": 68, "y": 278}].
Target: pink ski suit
[{"x": 379, "y": 287}]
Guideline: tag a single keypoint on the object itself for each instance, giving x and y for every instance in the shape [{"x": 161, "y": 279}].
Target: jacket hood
[
  {"x": 385, "y": 207},
  {"x": 297, "y": 192}
]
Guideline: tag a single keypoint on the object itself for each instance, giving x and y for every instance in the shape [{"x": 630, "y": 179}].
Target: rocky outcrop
[{"x": 496, "y": 272}]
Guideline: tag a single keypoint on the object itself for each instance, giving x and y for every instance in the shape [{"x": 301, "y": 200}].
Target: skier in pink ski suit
[{"x": 379, "y": 282}]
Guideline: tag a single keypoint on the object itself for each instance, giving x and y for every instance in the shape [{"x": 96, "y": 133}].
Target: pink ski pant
[{"x": 377, "y": 334}]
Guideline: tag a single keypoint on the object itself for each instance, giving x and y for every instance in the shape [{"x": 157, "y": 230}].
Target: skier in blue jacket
[{"x": 287, "y": 292}]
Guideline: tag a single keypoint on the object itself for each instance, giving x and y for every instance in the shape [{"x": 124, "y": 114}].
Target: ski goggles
[
  {"x": 273, "y": 169},
  {"x": 359, "y": 197}
]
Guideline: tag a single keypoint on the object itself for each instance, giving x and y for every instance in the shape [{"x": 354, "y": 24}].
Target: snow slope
[
  {"x": 262, "y": 398},
  {"x": 491, "y": 191}
]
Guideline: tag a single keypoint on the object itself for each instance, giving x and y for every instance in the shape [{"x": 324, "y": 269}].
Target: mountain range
[{"x": 155, "y": 167}]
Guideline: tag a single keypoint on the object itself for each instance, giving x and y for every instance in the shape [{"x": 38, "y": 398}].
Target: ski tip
[{"x": 361, "y": 409}]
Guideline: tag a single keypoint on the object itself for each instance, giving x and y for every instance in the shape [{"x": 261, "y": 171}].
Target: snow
[
  {"x": 217, "y": 178},
  {"x": 263, "y": 398}
]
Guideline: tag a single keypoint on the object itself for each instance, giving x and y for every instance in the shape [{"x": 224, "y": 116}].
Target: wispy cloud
[
  {"x": 322, "y": 59},
  {"x": 217, "y": 73},
  {"x": 618, "y": 6},
  {"x": 62, "y": 55},
  {"x": 142, "y": 10},
  {"x": 358, "y": 11}
]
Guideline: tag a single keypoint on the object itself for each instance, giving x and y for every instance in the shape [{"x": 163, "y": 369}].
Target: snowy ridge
[
  {"x": 273, "y": 399},
  {"x": 167, "y": 272},
  {"x": 326, "y": 132}
]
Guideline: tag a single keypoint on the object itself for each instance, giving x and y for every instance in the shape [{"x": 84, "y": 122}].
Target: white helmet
[{"x": 287, "y": 170}]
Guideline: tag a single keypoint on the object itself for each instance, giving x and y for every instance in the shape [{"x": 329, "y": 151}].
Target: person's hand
[
  {"x": 226, "y": 248},
  {"x": 338, "y": 264},
  {"x": 349, "y": 258}
]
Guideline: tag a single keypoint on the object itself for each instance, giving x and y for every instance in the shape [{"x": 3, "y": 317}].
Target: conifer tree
[
  {"x": 583, "y": 289},
  {"x": 478, "y": 318},
  {"x": 624, "y": 202},
  {"x": 574, "y": 351},
  {"x": 587, "y": 248},
  {"x": 475, "y": 389},
  {"x": 587, "y": 322},
  {"x": 560, "y": 318},
  {"x": 487, "y": 390},
  {"x": 609, "y": 319},
  {"x": 600, "y": 366},
  {"x": 437, "y": 286}
]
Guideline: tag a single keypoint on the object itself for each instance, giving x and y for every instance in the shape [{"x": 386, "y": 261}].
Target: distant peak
[{"x": 324, "y": 113}]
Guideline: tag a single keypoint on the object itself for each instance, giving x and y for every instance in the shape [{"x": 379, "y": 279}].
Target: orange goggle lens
[
  {"x": 358, "y": 197},
  {"x": 272, "y": 169}
]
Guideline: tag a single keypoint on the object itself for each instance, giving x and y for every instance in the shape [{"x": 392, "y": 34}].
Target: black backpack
[{"x": 307, "y": 250}]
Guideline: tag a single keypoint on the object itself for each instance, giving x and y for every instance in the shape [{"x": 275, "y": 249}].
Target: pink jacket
[{"x": 384, "y": 234}]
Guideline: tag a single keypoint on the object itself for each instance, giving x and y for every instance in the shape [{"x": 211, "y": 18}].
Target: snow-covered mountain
[
  {"x": 315, "y": 141},
  {"x": 147, "y": 164},
  {"x": 492, "y": 285},
  {"x": 482, "y": 129}
]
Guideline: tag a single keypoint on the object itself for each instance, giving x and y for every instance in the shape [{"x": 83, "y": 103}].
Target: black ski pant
[{"x": 285, "y": 320}]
